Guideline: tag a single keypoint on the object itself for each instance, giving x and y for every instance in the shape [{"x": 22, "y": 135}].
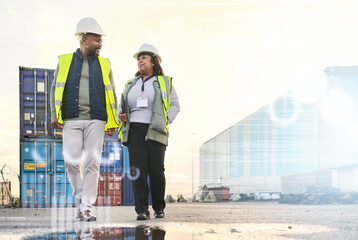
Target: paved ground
[{"x": 241, "y": 220}]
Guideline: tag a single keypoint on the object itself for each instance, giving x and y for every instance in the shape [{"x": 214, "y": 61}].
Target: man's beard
[{"x": 94, "y": 52}]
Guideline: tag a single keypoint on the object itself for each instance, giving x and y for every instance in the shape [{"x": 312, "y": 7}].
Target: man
[{"x": 83, "y": 103}]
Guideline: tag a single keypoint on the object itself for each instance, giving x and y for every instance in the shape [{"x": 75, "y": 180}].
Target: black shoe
[
  {"x": 159, "y": 214},
  {"x": 143, "y": 216}
]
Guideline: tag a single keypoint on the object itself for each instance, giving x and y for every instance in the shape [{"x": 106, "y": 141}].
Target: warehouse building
[{"x": 287, "y": 137}]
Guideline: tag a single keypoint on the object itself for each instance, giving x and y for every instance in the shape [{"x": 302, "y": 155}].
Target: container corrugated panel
[
  {"x": 35, "y": 110},
  {"x": 35, "y": 173},
  {"x": 35, "y": 155},
  {"x": 62, "y": 191},
  {"x": 35, "y": 189},
  {"x": 58, "y": 163},
  {"x": 61, "y": 187},
  {"x": 127, "y": 187},
  {"x": 44, "y": 182},
  {"x": 109, "y": 192},
  {"x": 111, "y": 161}
]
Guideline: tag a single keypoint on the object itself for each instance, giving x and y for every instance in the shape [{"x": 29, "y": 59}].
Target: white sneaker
[
  {"x": 79, "y": 214},
  {"x": 88, "y": 217}
]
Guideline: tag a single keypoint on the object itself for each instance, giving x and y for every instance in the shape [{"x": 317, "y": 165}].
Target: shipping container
[
  {"x": 5, "y": 193},
  {"x": 69, "y": 235},
  {"x": 109, "y": 191},
  {"x": 107, "y": 233},
  {"x": 111, "y": 161},
  {"x": 127, "y": 188},
  {"x": 35, "y": 113},
  {"x": 43, "y": 180},
  {"x": 35, "y": 173},
  {"x": 62, "y": 192}
]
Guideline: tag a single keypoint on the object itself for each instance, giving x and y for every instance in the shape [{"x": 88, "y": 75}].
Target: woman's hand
[{"x": 122, "y": 116}]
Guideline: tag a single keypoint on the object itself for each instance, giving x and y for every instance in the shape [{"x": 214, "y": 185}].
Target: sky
[{"x": 227, "y": 58}]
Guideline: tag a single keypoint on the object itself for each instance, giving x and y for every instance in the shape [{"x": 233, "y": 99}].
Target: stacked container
[
  {"x": 128, "y": 176},
  {"x": 128, "y": 194},
  {"x": 44, "y": 181}
]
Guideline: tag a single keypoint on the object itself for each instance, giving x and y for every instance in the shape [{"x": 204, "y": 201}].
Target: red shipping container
[
  {"x": 108, "y": 201},
  {"x": 110, "y": 233},
  {"x": 114, "y": 193},
  {"x": 114, "y": 181},
  {"x": 109, "y": 191}
]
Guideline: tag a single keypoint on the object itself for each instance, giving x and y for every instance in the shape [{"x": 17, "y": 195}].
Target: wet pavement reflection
[{"x": 141, "y": 232}]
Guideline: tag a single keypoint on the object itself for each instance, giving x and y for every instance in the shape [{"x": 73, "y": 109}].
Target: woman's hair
[{"x": 157, "y": 69}]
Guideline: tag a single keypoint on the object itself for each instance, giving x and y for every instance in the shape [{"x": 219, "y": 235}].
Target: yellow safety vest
[
  {"x": 63, "y": 70},
  {"x": 165, "y": 85}
]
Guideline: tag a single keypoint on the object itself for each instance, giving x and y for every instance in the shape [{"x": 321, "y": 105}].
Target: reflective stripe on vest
[
  {"x": 112, "y": 121},
  {"x": 64, "y": 65},
  {"x": 63, "y": 70},
  {"x": 164, "y": 84}
]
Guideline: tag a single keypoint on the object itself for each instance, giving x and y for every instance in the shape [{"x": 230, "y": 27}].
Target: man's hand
[
  {"x": 111, "y": 131},
  {"x": 55, "y": 124},
  {"x": 122, "y": 116}
]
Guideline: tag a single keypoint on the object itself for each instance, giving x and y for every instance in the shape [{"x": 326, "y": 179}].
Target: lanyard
[{"x": 143, "y": 81}]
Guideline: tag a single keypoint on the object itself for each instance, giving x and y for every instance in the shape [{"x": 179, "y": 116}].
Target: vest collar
[{"x": 90, "y": 58}]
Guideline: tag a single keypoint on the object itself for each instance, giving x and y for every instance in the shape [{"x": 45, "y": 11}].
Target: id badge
[{"x": 142, "y": 102}]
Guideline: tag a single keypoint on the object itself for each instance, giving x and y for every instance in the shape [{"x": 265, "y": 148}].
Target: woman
[{"x": 149, "y": 103}]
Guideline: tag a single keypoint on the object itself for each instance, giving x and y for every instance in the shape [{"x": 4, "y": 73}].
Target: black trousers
[{"x": 147, "y": 156}]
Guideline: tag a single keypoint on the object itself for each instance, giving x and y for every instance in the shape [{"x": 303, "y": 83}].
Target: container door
[
  {"x": 62, "y": 192},
  {"x": 34, "y": 105},
  {"x": 35, "y": 173}
]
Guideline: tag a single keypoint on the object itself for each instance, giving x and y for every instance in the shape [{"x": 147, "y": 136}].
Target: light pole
[{"x": 192, "y": 166}]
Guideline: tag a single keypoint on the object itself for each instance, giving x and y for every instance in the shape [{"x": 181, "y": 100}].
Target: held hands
[
  {"x": 122, "y": 116},
  {"x": 55, "y": 124}
]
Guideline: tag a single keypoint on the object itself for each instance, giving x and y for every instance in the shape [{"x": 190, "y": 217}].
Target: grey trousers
[{"x": 82, "y": 144}]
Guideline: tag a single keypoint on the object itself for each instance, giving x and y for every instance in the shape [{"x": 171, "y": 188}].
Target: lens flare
[{"x": 134, "y": 173}]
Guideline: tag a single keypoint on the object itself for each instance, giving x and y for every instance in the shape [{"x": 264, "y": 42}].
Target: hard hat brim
[
  {"x": 135, "y": 56},
  {"x": 80, "y": 34}
]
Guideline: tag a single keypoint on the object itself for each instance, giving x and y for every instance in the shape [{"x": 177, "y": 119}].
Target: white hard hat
[
  {"x": 147, "y": 48},
  {"x": 88, "y": 25}
]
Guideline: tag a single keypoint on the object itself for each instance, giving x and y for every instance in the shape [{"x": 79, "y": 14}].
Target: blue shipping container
[
  {"x": 62, "y": 191},
  {"x": 127, "y": 187},
  {"x": 35, "y": 155},
  {"x": 111, "y": 161},
  {"x": 35, "y": 84},
  {"x": 44, "y": 182},
  {"x": 69, "y": 235},
  {"x": 35, "y": 189}
]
